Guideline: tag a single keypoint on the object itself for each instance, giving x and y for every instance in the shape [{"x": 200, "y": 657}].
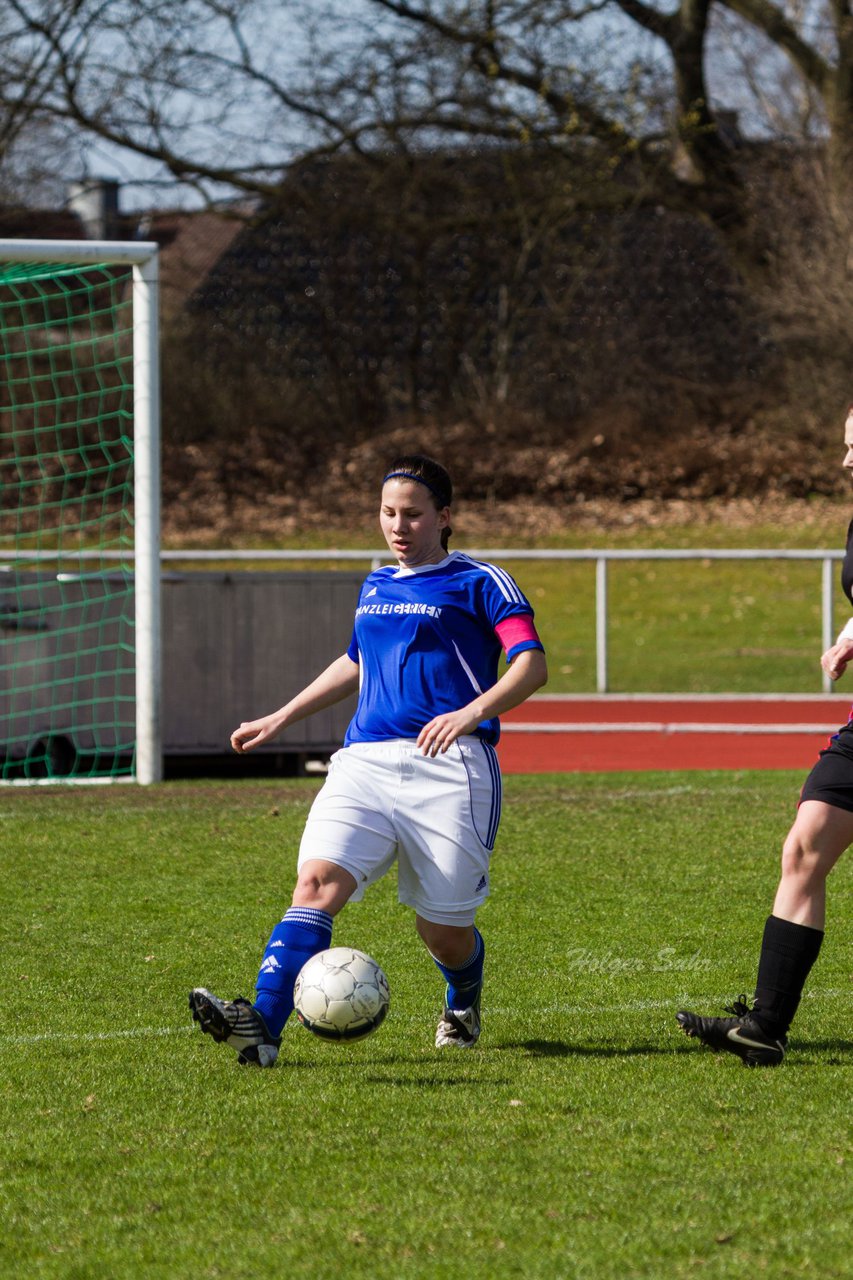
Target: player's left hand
[
  {"x": 443, "y": 730},
  {"x": 836, "y": 658}
]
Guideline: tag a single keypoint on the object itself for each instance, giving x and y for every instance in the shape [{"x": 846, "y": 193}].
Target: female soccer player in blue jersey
[
  {"x": 417, "y": 779},
  {"x": 793, "y": 933}
]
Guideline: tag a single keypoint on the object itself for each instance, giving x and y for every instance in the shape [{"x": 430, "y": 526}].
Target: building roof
[
  {"x": 17, "y": 223},
  {"x": 191, "y": 244}
]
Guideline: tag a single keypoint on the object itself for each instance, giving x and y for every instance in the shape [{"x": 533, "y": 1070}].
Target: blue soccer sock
[
  {"x": 463, "y": 985},
  {"x": 301, "y": 934}
]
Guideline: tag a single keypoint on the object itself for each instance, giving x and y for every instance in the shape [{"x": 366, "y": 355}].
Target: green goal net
[{"x": 68, "y": 606}]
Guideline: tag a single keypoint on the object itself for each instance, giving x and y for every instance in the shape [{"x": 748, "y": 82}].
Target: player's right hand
[{"x": 252, "y": 733}]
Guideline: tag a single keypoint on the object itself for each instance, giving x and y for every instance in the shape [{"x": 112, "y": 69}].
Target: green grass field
[{"x": 585, "y": 1137}]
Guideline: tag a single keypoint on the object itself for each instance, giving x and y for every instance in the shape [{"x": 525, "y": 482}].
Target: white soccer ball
[{"x": 341, "y": 994}]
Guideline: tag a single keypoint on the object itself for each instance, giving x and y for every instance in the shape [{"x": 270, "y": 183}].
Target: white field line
[
  {"x": 628, "y": 1006},
  {"x": 658, "y": 726},
  {"x": 90, "y": 1037}
]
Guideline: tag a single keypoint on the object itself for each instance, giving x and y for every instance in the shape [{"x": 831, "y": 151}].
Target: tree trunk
[{"x": 839, "y": 110}]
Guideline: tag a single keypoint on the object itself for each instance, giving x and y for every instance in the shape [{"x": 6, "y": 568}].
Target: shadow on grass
[
  {"x": 835, "y": 1050},
  {"x": 559, "y": 1049}
]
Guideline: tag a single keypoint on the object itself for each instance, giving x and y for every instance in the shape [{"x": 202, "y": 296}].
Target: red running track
[{"x": 576, "y": 733}]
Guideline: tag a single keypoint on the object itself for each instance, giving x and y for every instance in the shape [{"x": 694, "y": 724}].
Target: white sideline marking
[
  {"x": 87, "y": 1037},
  {"x": 655, "y": 726},
  {"x": 629, "y": 1006}
]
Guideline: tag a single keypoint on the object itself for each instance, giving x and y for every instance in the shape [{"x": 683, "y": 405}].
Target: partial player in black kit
[{"x": 793, "y": 933}]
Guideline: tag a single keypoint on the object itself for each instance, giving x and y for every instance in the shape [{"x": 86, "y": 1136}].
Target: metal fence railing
[{"x": 601, "y": 559}]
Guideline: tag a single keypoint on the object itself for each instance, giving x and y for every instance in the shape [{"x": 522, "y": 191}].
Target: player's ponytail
[{"x": 429, "y": 473}]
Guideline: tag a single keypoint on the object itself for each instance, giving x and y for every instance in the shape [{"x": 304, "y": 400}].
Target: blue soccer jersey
[{"x": 428, "y": 640}]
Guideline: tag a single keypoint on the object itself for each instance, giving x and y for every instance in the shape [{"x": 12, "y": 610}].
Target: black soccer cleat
[
  {"x": 237, "y": 1024},
  {"x": 740, "y": 1034}
]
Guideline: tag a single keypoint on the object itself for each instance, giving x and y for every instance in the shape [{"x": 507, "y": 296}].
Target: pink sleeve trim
[{"x": 516, "y": 630}]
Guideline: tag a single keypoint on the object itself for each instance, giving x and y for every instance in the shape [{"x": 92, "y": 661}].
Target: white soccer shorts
[{"x": 437, "y": 815}]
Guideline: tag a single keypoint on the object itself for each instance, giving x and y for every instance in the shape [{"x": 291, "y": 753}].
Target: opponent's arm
[
  {"x": 335, "y": 683},
  {"x": 526, "y": 673},
  {"x": 836, "y": 658},
  {"x": 838, "y": 655}
]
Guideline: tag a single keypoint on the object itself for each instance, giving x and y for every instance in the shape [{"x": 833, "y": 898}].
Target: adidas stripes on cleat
[
  {"x": 740, "y": 1034},
  {"x": 458, "y": 1027},
  {"x": 237, "y": 1024}
]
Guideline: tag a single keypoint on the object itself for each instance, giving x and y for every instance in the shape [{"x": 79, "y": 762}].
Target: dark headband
[{"x": 407, "y": 475}]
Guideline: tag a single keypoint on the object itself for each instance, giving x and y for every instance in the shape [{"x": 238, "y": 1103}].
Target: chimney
[{"x": 95, "y": 203}]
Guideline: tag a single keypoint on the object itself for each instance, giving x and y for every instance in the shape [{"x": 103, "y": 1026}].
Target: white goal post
[{"x": 142, "y": 257}]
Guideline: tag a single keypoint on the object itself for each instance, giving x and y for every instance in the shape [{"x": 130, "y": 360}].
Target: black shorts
[{"x": 831, "y": 779}]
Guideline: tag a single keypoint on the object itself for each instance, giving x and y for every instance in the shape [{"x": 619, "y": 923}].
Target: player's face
[
  {"x": 848, "y": 442},
  {"x": 410, "y": 522}
]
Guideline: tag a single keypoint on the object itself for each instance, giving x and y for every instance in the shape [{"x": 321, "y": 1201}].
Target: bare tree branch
[
  {"x": 775, "y": 25},
  {"x": 230, "y": 95}
]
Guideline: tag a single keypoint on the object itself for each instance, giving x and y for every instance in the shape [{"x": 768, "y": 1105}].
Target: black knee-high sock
[{"x": 788, "y": 952}]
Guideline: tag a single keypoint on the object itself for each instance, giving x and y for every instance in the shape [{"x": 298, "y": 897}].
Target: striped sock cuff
[{"x": 308, "y": 918}]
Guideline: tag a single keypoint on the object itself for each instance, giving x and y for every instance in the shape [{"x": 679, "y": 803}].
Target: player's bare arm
[
  {"x": 337, "y": 682},
  {"x": 526, "y": 673}
]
